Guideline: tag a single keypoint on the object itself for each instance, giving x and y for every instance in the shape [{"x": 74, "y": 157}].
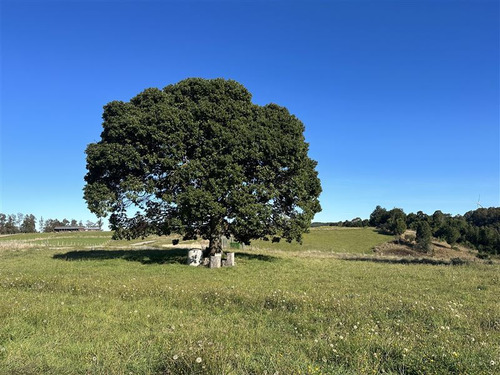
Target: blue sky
[{"x": 400, "y": 99}]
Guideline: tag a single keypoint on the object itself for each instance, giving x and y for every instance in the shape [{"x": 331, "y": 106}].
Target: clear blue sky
[{"x": 400, "y": 99}]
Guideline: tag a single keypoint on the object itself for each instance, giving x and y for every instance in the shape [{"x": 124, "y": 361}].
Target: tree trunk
[{"x": 215, "y": 244}]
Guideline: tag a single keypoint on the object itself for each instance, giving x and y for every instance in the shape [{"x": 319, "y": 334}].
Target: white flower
[
  {"x": 175, "y": 357},
  {"x": 492, "y": 362},
  {"x": 198, "y": 360}
]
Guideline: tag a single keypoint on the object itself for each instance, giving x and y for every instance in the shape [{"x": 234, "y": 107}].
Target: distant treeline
[
  {"x": 479, "y": 229},
  {"x": 21, "y": 223},
  {"x": 354, "y": 223}
]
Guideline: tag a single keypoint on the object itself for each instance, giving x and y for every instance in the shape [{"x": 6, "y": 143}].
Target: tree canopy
[
  {"x": 200, "y": 159},
  {"x": 479, "y": 228}
]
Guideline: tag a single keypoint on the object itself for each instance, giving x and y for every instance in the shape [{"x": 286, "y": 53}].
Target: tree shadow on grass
[
  {"x": 147, "y": 256},
  {"x": 435, "y": 262},
  {"x": 143, "y": 256},
  {"x": 249, "y": 256}
]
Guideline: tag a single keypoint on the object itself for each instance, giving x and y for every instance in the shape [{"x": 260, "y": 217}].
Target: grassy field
[
  {"x": 83, "y": 304},
  {"x": 332, "y": 240}
]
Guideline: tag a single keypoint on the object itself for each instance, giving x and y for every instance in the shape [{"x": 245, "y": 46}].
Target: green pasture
[
  {"x": 331, "y": 239},
  {"x": 128, "y": 309}
]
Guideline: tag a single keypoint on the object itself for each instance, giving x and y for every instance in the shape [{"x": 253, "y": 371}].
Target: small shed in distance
[
  {"x": 69, "y": 229},
  {"x": 77, "y": 229}
]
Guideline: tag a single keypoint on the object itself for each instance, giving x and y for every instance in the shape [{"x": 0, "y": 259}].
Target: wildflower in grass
[
  {"x": 175, "y": 357},
  {"x": 198, "y": 360},
  {"x": 492, "y": 363}
]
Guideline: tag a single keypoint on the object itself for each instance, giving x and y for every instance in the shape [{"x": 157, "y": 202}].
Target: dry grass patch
[
  {"x": 17, "y": 245},
  {"x": 439, "y": 251}
]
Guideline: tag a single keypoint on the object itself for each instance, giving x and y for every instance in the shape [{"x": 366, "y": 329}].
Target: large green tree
[{"x": 199, "y": 158}]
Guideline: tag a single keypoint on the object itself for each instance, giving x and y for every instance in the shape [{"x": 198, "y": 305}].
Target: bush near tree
[{"x": 423, "y": 236}]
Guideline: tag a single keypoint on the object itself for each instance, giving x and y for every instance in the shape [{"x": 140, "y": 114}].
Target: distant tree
[
  {"x": 452, "y": 234},
  {"x": 410, "y": 219},
  {"x": 29, "y": 224},
  {"x": 395, "y": 221},
  {"x": 423, "y": 236},
  {"x": 449, "y": 230},
  {"x": 41, "y": 224},
  {"x": 437, "y": 220},
  {"x": 73, "y": 223},
  {"x": 378, "y": 217},
  {"x": 391, "y": 221},
  {"x": 10, "y": 225},
  {"x": 3, "y": 222},
  {"x": 19, "y": 220},
  {"x": 357, "y": 222},
  {"x": 49, "y": 226},
  {"x": 421, "y": 216},
  {"x": 199, "y": 158},
  {"x": 489, "y": 240},
  {"x": 400, "y": 227},
  {"x": 484, "y": 217}
]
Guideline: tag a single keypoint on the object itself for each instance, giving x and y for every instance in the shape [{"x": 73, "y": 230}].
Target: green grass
[
  {"x": 122, "y": 311},
  {"x": 331, "y": 239}
]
